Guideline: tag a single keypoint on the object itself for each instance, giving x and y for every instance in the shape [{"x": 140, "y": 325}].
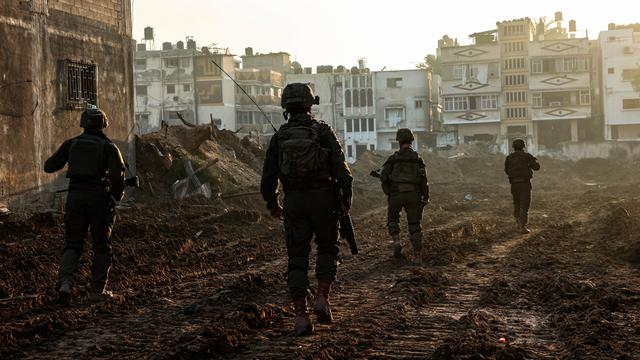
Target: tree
[{"x": 431, "y": 62}]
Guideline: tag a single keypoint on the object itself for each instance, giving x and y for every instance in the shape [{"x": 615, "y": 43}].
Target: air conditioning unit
[
  {"x": 628, "y": 50},
  {"x": 555, "y": 103}
]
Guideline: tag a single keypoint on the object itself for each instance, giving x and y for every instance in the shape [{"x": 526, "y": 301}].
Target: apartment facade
[
  {"x": 619, "y": 56},
  {"x": 521, "y": 80},
  {"x": 215, "y": 93}
]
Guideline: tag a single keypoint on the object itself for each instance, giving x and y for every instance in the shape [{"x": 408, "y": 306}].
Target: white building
[
  {"x": 163, "y": 82},
  {"x": 619, "y": 53},
  {"x": 215, "y": 93},
  {"x": 402, "y": 100}
]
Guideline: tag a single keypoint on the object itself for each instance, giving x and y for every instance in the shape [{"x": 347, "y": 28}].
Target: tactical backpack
[
  {"x": 300, "y": 152},
  {"x": 86, "y": 157},
  {"x": 518, "y": 166}
]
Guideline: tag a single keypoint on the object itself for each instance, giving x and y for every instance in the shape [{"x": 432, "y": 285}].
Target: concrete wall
[
  {"x": 36, "y": 36},
  {"x": 606, "y": 149}
]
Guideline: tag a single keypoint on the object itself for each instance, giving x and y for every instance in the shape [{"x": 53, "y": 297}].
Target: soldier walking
[
  {"x": 96, "y": 183},
  {"x": 404, "y": 181},
  {"x": 519, "y": 167},
  {"x": 306, "y": 157}
]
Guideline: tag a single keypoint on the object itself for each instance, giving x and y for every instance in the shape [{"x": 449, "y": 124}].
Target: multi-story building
[
  {"x": 358, "y": 111},
  {"x": 403, "y": 99},
  {"x": 471, "y": 88},
  {"x": 520, "y": 80},
  {"x": 619, "y": 56},
  {"x": 57, "y": 57},
  {"x": 215, "y": 93},
  {"x": 164, "y": 84}
]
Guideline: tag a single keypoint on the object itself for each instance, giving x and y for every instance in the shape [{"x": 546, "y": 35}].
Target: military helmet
[
  {"x": 404, "y": 135},
  {"x": 518, "y": 144},
  {"x": 298, "y": 97},
  {"x": 93, "y": 118}
]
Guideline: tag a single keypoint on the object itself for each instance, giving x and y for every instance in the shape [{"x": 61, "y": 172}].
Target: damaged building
[{"x": 59, "y": 56}]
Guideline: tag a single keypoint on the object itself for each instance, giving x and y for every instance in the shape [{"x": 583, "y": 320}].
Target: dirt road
[{"x": 202, "y": 280}]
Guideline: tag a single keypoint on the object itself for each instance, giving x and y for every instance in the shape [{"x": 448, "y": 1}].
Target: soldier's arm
[
  {"x": 533, "y": 163},
  {"x": 269, "y": 181},
  {"x": 506, "y": 161},
  {"x": 115, "y": 168},
  {"x": 339, "y": 167},
  {"x": 59, "y": 159},
  {"x": 384, "y": 176},
  {"x": 424, "y": 182}
]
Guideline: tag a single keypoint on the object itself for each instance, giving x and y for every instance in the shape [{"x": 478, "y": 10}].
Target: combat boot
[
  {"x": 302, "y": 325},
  {"x": 524, "y": 230},
  {"x": 101, "y": 297},
  {"x": 397, "y": 248},
  {"x": 322, "y": 308},
  {"x": 64, "y": 294}
]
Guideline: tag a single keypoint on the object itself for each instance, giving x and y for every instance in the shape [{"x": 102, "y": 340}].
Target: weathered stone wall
[{"x": 36, "y": 36}]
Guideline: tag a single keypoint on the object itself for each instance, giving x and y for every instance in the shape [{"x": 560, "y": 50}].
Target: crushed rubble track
[{"x": 202, "y": 280}]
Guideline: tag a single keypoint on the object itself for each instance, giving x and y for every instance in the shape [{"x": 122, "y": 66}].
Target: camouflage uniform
[
  {"x": 519, "y": 167},
  {"x": 96, "y": 181},
  {"x": 404, "y": 181},
  {"x": 306, "y": 157}
]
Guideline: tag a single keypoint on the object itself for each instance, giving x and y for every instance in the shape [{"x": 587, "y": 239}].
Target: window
[
  {"x": 349, "y": 125},
  {"x": 347, "y": 98},
  {"x": 185, "y": 62},
  {"x": 372, "y": 147},
  {"x": 630, "y": 74},
  {"x": 488, "y": 102},
  {"x": 585, "y": 97},
  {"x": 356, "y": 98},
  {"x": 371, "y": 125},
  {"x": 363, "y": 97},
  {"x": 512, "y": 64},
  {"x": 363, "y": 125},
  {"x": 141, "y": 90},
  {"x": 394, "y": 116},
  {"x": 81, "y": 84},
  {"x": 349, "y": 151},
  {"x": 536, "y": 98},
  {"x": 394, "y": 82},
  {"x": 610, "y": 70},
  {"x": 171, "y": 62},
  {"x": 536, "y": 66},
  {"x": 209, "y": 92},
  {"x": 370, "y": 97},
  {"x": 631, "y": 104},
  {"x": 418, "y": 104},
  {"x": 141, "y": 64},
  {"x": 455, "y": 103},
  {"x": 515, "y": 97},
  {"x": 356, "y": 125},
  {"x": 171, "y": 89},
  {"x": 355, "y": 81},
  {"x": 514, "y": 80},
  {"x": 244, "y": 118},
  {"x": 515, "y": 46},
  {"x": 142, "y": 116},
  {"x": 516, "y": 113},
  {"x": 459, "y": 71},
  {"x": 186, "y": 87}
]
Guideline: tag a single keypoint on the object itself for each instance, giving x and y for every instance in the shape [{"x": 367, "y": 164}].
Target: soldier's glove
[{"x": 276, "y": 212}]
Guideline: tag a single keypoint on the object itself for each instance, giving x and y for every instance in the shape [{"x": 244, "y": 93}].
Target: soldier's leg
[
  {"x": 76, "y": 226},
  {"x": 525, "y": 202},
  {"x": 325, "y": 227},
  {"x": 414, "y": 208},
  {"x": 394, "y": 207},
  {"x": 516, "y": 201},
  {"x": 298, "y": 235},
  {"x": 102, "y": 219}
]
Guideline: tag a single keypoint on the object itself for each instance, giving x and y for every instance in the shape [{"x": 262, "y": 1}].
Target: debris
[
  {"x": 4, "y": 210},
  {"x": 468, "y": 197},
  {"x": 180, "y": 188}
]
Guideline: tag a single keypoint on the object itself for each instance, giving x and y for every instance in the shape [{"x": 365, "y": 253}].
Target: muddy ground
[{"x": 206, "y": 278}]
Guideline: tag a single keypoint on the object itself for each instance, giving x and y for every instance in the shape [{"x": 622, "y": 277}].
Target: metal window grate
[{"x": 81, "y": 84}]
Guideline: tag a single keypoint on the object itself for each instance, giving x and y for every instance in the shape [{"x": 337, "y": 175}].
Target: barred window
[{"x": 81, "y": 84}]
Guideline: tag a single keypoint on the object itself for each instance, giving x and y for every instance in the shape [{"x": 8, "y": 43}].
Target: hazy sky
[{"x": 396, "y": 34}]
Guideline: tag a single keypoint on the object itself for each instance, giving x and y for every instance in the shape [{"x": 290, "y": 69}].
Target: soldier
[
  {"x": 96, "y": 184},
  {"x": 307, "y": 158},
  {"x": 519, "y": 167},
  {"x": 404, "y": 181}
]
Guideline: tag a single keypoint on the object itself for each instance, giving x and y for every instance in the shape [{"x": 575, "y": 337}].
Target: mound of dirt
[{"x": 162, "y": 157}]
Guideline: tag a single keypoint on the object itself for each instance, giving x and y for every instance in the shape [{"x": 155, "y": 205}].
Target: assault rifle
[{"x": 346, "y": 225}]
